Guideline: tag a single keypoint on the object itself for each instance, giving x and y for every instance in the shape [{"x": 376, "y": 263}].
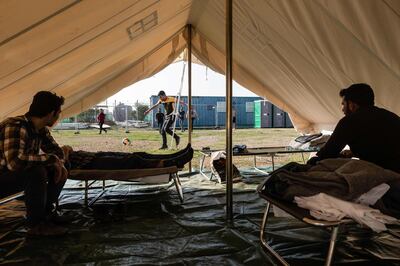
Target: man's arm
[
  {"x": 50, "y": 146},
  {"x": 152, "y": 107},
  {"x": 338, "y": 140},
  {"x": 15, "y": 139}
]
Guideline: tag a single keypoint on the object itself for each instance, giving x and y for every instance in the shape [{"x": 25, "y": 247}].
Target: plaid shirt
[{"x": 20, "y": 145}]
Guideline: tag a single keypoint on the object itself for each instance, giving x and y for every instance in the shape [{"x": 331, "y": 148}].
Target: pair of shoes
[
  {"x": 59, "y": 219},
  {"x": 163, "y": 147},
  {"x": 46, "y": 229}
]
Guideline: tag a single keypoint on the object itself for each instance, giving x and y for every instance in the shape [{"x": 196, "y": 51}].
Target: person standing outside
[
  {"x": 169, "y": 106},
  {"x": 182, "y": 118},
  {"x": 101, "y": 118},
  {"x": 193, "y": 115},
  {"x": 31, "y": 161},
  {"x": 233, "y": 118},
  {"x": 160, "y": 119}
]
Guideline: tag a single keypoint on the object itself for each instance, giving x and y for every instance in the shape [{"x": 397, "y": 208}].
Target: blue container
[{"x": 211, "y": 111}]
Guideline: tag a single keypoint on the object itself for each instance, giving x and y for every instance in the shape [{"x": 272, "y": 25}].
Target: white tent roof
[{"x": 298, "y": 54}]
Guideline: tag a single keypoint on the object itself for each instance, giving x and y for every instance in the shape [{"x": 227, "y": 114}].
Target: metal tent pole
[
  {"x": 189, "y": 44},
  {"x": 228, "y": 75}
]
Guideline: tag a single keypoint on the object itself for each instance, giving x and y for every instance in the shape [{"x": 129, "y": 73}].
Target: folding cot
[
  {"x": 133, "y": 175},
  {"x": 300, "y": 214}
]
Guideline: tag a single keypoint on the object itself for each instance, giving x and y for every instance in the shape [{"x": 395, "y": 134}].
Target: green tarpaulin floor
[{"x": 123, "y": 228}]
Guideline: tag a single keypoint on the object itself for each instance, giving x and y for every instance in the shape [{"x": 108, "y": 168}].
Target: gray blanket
[{"x": 346, "y": 179}]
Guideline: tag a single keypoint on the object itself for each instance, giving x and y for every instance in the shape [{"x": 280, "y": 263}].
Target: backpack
[{"x": 219, "y": 167}]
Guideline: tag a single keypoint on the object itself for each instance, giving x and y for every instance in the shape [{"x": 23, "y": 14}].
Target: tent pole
[
  {"x": 189, "y": 45},
  {"x": 228, "y": 76}
]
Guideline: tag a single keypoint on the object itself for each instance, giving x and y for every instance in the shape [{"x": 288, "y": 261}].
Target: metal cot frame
[
  {"x": 91, "y": 176},
  {"x": 302, "y": 215}
]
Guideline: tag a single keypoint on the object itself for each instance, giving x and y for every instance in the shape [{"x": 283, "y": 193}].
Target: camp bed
[
  {"x": 271, "y": 152},
  {"x": 300, "y": 214},
  {"x": 91, "y": 176}
]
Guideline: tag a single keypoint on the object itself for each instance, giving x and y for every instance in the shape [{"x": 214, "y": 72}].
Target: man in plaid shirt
[{"x": 31, "y": 161}]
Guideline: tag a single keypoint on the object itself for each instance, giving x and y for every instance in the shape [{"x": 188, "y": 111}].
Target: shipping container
[
  {"x": 278, "y": 117},
  {"x": 211, "y": 111},
  {"x": 262, "y": 114}
]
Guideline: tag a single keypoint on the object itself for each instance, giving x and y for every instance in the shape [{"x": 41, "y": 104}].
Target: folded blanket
[{"x": 345, "y": 179}]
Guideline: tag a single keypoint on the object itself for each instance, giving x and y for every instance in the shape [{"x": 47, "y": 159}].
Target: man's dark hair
[
  {"x": 161, "y": 93},
  {"x": 359, "y": 93},
  {"x": 45, "y": 102}
]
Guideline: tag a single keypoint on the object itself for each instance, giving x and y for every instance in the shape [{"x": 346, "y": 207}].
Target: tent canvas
[{"x": 297, "y": 54}]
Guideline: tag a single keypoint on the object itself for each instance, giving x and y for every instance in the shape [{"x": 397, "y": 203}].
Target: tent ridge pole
[{"x": 228, "y": 76}]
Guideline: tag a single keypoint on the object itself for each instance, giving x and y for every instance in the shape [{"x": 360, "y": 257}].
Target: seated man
[
  {"x": 372, "y": 133},
  {"x": 123, "y": 160},
  {"x": 23, "y": 168}
]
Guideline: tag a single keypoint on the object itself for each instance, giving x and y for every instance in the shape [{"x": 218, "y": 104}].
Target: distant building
[
  {"x": 120, "y": 114},
  {"x": 211, "y": 111}
]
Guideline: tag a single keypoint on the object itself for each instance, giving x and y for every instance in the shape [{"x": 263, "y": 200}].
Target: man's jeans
[
  {"x": 40, "y": 190},
  {"x": 166, "y": 128}
]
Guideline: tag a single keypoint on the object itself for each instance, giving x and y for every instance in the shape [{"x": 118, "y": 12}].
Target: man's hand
[
  {"x": 146, "y": 112},
  {"x": 346, "y": 153},
  {"x": 60, "y": 172}
]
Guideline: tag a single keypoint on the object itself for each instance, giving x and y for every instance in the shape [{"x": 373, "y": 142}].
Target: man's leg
[
  {"x": 146, "y": 155},
  {"x": 169, "y": 131},
  {"x": 129, "y": 161},
  {"x": 101, "y": 126},
  {"x": 164, "y": 134},
  {"x": 53, "y": 191},
  {"x": 36, "y": 194}
]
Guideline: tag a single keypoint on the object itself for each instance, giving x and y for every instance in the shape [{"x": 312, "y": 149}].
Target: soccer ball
[{"x": 126, "y": 141}]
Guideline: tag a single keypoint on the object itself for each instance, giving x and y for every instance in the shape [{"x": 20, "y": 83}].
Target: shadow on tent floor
[{"x": 121, "y": 229}]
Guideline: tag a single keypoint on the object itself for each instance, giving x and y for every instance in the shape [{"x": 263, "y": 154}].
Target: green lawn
[{"x": 149, "y": 140}]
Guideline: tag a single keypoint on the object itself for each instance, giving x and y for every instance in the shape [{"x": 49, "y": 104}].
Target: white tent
[{"x": 298, "y": 54}]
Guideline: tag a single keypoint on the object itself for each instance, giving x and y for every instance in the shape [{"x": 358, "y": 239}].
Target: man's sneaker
[
  {"x": 46, "y": 229},
  {"x": 163, "y": 147}
]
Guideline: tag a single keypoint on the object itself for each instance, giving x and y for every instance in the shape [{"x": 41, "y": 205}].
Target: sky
[{"x": 205, "y": 82}]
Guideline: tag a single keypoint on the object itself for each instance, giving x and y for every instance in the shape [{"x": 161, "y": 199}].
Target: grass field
[{"x": 149, "y": 140}]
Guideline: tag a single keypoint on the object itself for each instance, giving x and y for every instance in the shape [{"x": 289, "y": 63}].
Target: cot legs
[
  {"x": 178, "y": 186},
  {"x": 332, "y": 243},
  {"x": 263, "y": 239}
]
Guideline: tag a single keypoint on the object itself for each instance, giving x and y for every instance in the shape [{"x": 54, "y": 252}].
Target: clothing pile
[
  {"x": 313, "y": 141},
  {"x": 218, "y": 166},
  {"x": 336, "y": 188}
]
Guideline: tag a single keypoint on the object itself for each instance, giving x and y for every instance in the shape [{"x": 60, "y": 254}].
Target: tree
[{"x": 140, "y": 109}]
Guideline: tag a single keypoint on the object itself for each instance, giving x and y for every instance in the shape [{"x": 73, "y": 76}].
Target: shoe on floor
[
  {"x": 163, "y": 147},
  {"x": 46, "y": 229}
]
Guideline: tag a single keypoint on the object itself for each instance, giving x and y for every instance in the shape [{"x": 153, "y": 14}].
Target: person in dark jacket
[
  {"x": 181, "y": 117},
  {"x": 101, "y": 118},
  {"x": 124, "y": 160},
  {"x": 372, "y": 133},
  {"x": 160, "y": 119}
]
